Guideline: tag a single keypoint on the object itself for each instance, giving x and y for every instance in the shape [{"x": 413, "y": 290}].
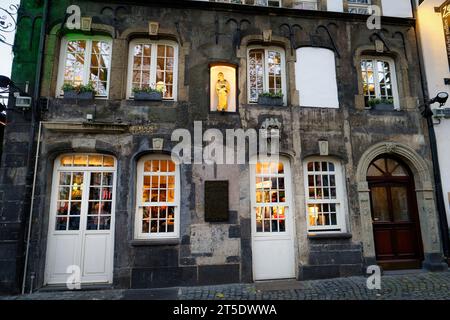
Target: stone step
[{"x": 315, "y": 272}]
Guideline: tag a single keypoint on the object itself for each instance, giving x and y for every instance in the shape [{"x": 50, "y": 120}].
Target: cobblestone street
[{"x": 407, "y": 286}]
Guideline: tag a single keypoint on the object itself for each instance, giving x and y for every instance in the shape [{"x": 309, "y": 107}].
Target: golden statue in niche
[{"x": 222, "y": 90}]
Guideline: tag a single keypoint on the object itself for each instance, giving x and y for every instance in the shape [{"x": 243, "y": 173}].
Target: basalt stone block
[
  {"x": 155, "y": 257},
  {"x": 218, "y": 274},
  {"x": 188, "y": 261},
  {"x": 246, "y": 229},
  {"x": 234, "y": 232},
  {"x": 319, "y": 272},
  {"x": 335, "y": 257},
  {"x": 163, "y": 277},
  {"x": 233, "y": 259}
]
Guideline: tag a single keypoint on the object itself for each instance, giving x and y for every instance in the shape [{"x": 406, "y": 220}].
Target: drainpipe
[
  {"x": 34, "y": 116},
  {"x": 443, "y": 223}
]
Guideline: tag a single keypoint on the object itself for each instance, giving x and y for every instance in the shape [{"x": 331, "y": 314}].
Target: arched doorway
[{"x": 395, "y": 217}]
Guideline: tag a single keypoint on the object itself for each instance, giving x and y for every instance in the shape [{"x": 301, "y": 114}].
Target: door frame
[
  {"x": 413, "y": 208},
  {"x": 289, "y": 204},
  {"x": 52, "y": 213}
]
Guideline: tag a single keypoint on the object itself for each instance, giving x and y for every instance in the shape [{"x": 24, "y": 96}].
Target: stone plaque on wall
[{"x": 216, "y": 201}]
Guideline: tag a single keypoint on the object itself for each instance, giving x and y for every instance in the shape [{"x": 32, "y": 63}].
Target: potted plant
[
  {"x": 83, "y": 92},
  {"x": 70, "y": 91},
  {"x": 148, "y": 94},
  {"x": 271, "y": 98},
  {"x": 86, "y": 92},
  {"x": 381, "y": 104}
]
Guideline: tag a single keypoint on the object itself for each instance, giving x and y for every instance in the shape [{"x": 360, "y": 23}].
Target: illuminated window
[
  {"x": 324, "y": 196},
  {"x": 359, "y": 6},
  {"x": 266, "y": 72},
  {"x": 153, "y": 65},
  {"x": 157, "y": 198},
  {"x": 379, "y": 81},
  {"x": 84, "y": 192},
  {"x": 85, "y": 60},
  {"x": 271, "y": 197}
]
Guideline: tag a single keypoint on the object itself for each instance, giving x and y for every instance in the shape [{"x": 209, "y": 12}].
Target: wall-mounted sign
[
  {"x": 216, "y": 201},
  {"x": 445, "y": 12},
  {"x": 223, "y": 88}
]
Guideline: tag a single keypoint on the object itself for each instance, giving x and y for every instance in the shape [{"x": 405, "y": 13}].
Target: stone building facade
[{"x": 353, "y": 186}]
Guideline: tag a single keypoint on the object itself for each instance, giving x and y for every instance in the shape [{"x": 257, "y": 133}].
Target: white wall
[
  {"x": 436, "y": 65},
  {"x": 335, "y": 5},
  {"x": 315, "y": 78},
  {"x": 397, "y": 8}
]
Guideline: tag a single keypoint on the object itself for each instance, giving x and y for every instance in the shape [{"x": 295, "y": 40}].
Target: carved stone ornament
[
  {"x": 267, "y": 35},
  {"x": 153, "y": 28},
  {"x": 379, "y": 46},
  {"x": 86, "y": 23},
  {"x": 391, "y": 147},
  {"x": 158, "y": 143},
  {"x": 271, "y": 128},
  {"x": 323, "y": 148}
]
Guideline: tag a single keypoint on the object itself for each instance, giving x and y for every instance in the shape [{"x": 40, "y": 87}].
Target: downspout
[
  {"x": 34, "y": 115},
  {"x": 443, "y": 223}
]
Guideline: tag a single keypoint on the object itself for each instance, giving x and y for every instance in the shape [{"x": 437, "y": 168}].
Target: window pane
[
  {"x": 380, "y": 204},
  {"x": 400, "y": 203},
  {"x": 256, "y": 74}
]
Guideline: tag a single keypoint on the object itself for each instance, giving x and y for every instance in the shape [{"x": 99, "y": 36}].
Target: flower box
[
  {"x": 72, "y": 94},
  {"x": 148, "y": 96},
  {"x": 270, "y": 101},
  {"x": 383, "y": 107}
]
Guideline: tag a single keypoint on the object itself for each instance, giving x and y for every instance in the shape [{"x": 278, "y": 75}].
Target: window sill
[
  {"x": 324, "y": 236},
  {"x": 155, "y": 242}
]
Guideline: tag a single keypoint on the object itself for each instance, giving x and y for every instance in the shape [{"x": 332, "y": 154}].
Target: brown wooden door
[{"x": 396, "y": 225}]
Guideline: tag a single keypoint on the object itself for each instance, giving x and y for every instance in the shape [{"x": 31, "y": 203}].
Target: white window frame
[
  {"x": 393, "y": 70},
  {"x": 340, "y": 201},
  {"x": 153, "y": 63},
  {"x": 87, "y": 66},
  {"x": 266, "y": 73},
  {"x": 358, "y": 6},
  {"x": 138, "y": 234},
  {"x": 306, "y": 4}
]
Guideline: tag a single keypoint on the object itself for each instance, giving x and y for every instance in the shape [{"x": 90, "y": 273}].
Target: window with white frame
[
  {"x": 325, "y": 192},
  {"x": 266, "y": 73},
  {"x": 153, "y": 64},
  {"x": 157, "y": 198},
  {"x": 85, "y": 60},
  {"x": 359, "y": 6},
  {"x": 305, "y": 4},
  {"x": 379, "y": 81}
]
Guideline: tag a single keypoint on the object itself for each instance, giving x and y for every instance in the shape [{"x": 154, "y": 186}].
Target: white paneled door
[
  {"x": 80, "y": 239},
  {"x": 272, "y": 221}
]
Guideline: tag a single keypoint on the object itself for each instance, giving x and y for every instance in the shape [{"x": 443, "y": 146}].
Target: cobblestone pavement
[{"x": 414, "y": 286}]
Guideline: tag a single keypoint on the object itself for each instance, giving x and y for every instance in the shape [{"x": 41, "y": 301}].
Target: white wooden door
[
  {"x": 272, "y": 221},
  {"x": 81, "y": 220}
]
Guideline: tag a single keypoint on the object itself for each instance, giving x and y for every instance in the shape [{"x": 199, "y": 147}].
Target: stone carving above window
[{"x": 271, "y": 128}]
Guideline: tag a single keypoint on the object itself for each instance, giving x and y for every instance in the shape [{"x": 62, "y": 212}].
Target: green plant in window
[
  {"x": 377, "y": 101},
  {"x": 274, "y": 95}
]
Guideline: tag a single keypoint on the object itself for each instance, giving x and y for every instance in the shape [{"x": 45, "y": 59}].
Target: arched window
[
  {"x": 154, "y": 65},
  {"x": 266, "y": 73},
  {"x": 158, "y": 198},
  {"x": 85, "y": 60},
  {"x": 325, "y": 195}
]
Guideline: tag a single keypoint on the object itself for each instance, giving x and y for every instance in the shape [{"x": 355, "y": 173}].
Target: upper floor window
[
  {"x": 158, "y": 198},
  {"x": 379, "y": 82},
  {"x": 266, "y": 73},
  {"x": 267, "y": 3},
  {"x": 325, "y": 192},
  {"x": 315, "y": 77},
  {"x": 153, "y": 65},
  {"x": 305, "y": 4},
  {"x": 85, "y": 60},
  {"x": 359, "y": 6}
]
